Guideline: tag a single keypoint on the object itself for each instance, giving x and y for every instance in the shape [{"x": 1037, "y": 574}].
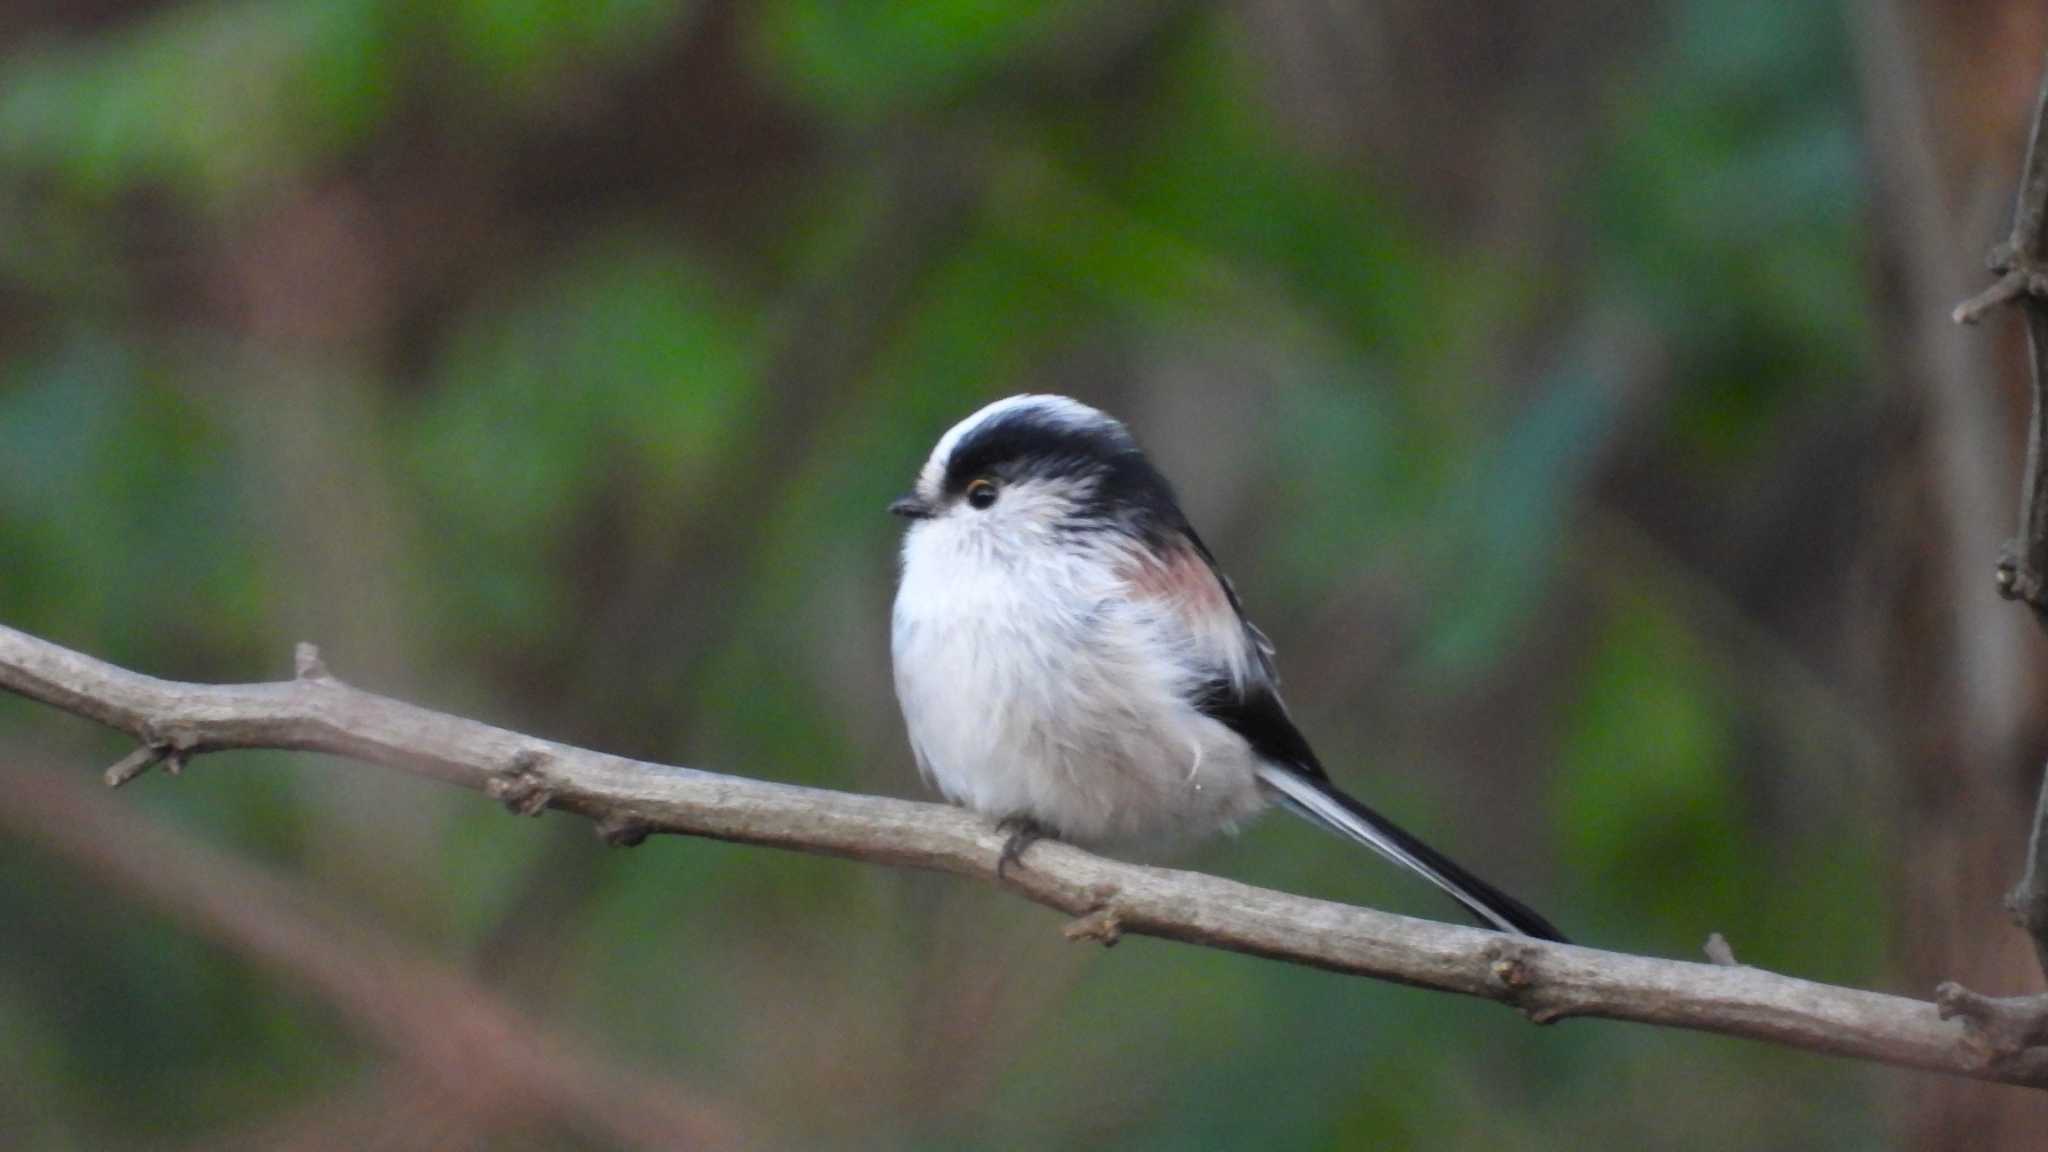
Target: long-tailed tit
[{"x": 1071, "y": 661}]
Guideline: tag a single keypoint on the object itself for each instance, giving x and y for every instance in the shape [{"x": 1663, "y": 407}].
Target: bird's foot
[{"x": 1023, "y": 833}]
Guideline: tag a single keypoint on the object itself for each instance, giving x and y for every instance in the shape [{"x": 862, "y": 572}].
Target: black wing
[{"x": 1296, "y": 778}]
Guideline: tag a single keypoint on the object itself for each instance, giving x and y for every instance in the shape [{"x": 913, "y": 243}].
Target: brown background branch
[
  {"x": 471, "y": 1054},
  {"x": 630, "y": 798}
]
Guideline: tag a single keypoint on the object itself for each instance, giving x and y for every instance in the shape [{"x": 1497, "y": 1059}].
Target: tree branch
[
  {"x": 1547, "y": 982},
  {"x": 2029, "y": 901},
  {"x": 2022, "y": 264}
]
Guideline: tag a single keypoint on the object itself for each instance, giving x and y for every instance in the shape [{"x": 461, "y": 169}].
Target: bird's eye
[{"x": 981, "y": 493}]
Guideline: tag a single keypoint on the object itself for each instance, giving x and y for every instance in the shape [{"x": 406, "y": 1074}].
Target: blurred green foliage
[{"x": 565, "y": 478}]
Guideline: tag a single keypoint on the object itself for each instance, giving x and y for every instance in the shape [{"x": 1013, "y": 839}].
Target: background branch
[
  {"x": 1547, "y": 982},
  {"x": 475, "y": 1058}
]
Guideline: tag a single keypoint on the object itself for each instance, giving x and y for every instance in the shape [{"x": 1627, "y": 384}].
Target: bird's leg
[{"x": 1023, "y": 833}]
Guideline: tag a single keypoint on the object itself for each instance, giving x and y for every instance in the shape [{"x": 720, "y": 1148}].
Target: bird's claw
[{"x": 1023, "y": 833}]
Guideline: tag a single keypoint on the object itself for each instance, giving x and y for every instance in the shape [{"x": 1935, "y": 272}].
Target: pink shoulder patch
[{"x": 1184, "y": 580}]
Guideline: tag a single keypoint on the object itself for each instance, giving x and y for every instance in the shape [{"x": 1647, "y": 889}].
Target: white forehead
[{"x": 1057, "y": 408}]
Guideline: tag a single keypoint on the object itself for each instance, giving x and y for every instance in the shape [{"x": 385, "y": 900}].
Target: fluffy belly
[{"x": 1058, "y": 720}]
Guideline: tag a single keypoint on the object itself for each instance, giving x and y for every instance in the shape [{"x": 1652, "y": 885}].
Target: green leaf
[
  {"x": 1648, "y": 805},
  {"x": 862, "y": 60},
  {"x": 215, "y": 100},
  {"x": 623, "y": 365},
  {"x": 518, "y": 43}
]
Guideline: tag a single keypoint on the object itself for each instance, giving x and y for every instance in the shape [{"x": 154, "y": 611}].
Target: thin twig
[
  {"x": 2011, "y": 286},
  {"x": 134, "y": 764},
  {"x": 1546, "y": 981}
]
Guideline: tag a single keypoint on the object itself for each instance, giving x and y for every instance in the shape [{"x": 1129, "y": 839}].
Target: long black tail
[{"x": 1324, "y": 804}]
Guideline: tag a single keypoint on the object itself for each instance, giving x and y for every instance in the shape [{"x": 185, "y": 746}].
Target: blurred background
[{"x": 1569, "y": 387}]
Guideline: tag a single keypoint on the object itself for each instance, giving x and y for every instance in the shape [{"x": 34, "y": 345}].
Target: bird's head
[{"x": 1038, "y": 467}]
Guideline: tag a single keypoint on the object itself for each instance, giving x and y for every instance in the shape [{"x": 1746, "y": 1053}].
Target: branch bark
[{"x": 629, "y": 798}]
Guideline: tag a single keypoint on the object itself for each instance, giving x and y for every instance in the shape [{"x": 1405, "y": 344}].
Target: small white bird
[{"x": 1071, "y": 661}]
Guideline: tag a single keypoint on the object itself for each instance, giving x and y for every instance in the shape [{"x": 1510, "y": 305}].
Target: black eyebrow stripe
[
  {"x": 1038, "y": 443},
  {"x": 1044, "y": 442}
]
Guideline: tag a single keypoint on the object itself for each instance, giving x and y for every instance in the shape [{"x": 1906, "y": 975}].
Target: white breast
[{"x": 1033, "y": 685}]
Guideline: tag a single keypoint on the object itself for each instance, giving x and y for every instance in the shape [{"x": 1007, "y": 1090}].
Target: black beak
[{"x": 911, "y": 508}]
